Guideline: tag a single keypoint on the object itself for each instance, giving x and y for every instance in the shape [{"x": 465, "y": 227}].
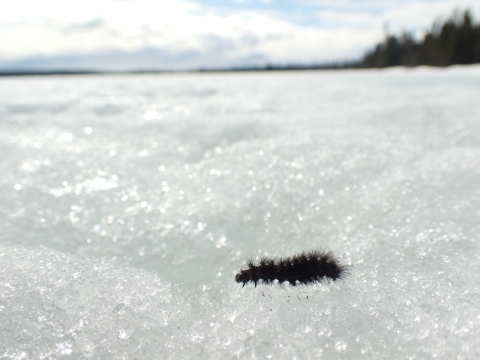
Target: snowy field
[{"x": 128, "y": 203}]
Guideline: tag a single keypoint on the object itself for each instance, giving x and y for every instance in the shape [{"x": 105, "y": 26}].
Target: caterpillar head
[{"x": 242, "y": 277}]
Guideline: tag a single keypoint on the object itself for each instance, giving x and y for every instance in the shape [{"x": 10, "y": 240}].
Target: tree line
[
  {"x": 453, "y": 41},
  {"x": 456, "y": 41}
]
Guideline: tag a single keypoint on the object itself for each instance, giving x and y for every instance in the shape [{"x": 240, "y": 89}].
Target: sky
[{"x": 122, "y": 35}]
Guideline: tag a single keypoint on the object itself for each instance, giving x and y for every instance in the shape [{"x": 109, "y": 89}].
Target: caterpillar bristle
[{"x": 306, "y": 268}]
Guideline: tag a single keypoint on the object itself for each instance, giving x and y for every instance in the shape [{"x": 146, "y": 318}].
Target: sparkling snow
[{"x": 128, "y": 203}]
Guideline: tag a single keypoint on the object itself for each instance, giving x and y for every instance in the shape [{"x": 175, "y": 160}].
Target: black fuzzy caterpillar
[{"x": 306, "y": 268}]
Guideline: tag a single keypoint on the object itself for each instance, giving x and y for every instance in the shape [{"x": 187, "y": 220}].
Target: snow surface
[{"x": 128, "y": 203}]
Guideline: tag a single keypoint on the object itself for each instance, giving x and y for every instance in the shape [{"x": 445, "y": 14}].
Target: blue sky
[{"x": 183, "y": 34}]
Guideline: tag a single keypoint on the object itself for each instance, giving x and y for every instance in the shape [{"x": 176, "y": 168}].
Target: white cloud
[{"x": 190, "y": 35}]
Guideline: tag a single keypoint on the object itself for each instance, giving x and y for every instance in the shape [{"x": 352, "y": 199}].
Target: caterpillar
[{"x": 306, "y": 268}]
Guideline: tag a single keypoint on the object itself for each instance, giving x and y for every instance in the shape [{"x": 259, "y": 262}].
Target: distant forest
[{"x": 456, "y": 41}]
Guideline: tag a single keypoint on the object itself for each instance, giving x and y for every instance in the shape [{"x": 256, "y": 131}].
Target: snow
[{"x": 128, "y": 203}]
